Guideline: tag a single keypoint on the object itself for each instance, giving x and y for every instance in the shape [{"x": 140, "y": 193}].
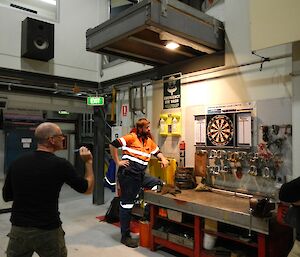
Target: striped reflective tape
[
  {"x": 131, "y": 158},
  {"x": 155, "y": 150},
  {"x": 123, "y": 141},
  {"x": 127, "y": 206},
  {"x": 125, "y": 148}
]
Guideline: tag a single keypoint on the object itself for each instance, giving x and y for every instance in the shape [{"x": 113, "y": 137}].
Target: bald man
[{"x": 33, "y": 183}]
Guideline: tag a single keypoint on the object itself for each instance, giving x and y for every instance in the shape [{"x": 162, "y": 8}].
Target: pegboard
[{"x": 255, "y": 155}]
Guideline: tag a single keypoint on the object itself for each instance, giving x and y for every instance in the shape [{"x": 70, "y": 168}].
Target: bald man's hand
[{"x": 86, "y": 155}]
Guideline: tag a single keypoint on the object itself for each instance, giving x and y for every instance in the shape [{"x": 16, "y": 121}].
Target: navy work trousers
[{"x": 131, "y": 184}]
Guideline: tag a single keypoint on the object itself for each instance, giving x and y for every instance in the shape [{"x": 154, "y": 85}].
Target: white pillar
[{"x": 296, "y": 109}]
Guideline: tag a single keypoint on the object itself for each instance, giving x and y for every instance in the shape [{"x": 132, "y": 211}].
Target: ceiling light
[
  {"x": 171, "y": 38},
  {"x": 172, "y": 45},
  {"x": 53, "y": 2},
  {"x": 63, "y": 112}
]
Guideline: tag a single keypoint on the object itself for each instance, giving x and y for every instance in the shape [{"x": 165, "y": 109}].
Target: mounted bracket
[
  {"x": 133, "y": 97},
  {"x": 164, "y": 6}
]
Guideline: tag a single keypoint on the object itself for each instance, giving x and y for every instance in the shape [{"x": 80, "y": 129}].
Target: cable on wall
[{"x": 262, "y": 59}]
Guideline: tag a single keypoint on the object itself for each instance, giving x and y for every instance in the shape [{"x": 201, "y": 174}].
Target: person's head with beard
[{"x": 142, "y": 128}]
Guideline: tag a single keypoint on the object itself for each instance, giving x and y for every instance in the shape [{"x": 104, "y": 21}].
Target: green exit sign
[{"x": 95, "y": 100}]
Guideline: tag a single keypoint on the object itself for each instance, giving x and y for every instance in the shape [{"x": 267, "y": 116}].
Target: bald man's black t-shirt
[{"x": 34, "y": 182}]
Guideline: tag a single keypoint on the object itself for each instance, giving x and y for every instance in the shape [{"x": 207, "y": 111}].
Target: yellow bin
[{"x": 167, "y": 174}]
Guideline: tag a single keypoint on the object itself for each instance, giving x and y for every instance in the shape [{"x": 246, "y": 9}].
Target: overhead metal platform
[{"x": 141, "y": 32}]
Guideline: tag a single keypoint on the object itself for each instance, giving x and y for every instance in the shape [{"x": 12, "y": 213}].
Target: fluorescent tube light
[{"x": 53, "y": 2}]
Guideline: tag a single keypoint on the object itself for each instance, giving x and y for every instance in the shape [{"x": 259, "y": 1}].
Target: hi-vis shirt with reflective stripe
[{"x": 136, "y": 150}]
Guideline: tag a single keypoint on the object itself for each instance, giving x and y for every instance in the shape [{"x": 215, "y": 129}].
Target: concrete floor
[{"x": 85, "y": 235}]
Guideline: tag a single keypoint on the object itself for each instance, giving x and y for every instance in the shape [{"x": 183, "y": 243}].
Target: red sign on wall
[{"x": 124, "y": 110}]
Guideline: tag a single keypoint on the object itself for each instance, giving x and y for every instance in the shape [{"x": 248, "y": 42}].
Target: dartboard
[{"x": 220, "y": 130}]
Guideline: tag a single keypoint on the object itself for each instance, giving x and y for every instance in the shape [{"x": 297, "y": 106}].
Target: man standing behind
[
  {"x": 289, "y": 193},
  {"x": 33, "y": 183},
  {"x": 137, "y": 148}
]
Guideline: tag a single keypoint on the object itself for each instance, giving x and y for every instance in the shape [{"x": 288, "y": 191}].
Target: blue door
[{"x": 17, "y": 142}]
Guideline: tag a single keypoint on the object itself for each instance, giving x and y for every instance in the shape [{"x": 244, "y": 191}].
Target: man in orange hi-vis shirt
[{"x": 137, "y": 147}]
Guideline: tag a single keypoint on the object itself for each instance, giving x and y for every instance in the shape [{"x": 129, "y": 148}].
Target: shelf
[
  {"x": 178, "y": 248},
  {"x": 206, "y": 253},
  {"x": 262, "y": 244},
  {"x": 230, "y": 237},
  {"x": 189, "y": 225}
]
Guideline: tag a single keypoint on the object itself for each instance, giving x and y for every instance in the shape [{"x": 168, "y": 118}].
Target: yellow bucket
[{"x": 165, "y": 174}]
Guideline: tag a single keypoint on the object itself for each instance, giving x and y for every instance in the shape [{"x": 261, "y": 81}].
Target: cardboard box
[
  {"x": 211, "y": 225},
  {"x": 187, "y": 242},
  {"x": 174, "y": 215},
  {"x": 160, "y": 234}
]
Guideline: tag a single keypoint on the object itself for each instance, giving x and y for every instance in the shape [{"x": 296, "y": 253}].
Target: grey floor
[{"x": 85, "y": 235}]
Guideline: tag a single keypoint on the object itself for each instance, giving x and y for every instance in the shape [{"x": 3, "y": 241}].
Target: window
[{"x": 116, "y": 7}]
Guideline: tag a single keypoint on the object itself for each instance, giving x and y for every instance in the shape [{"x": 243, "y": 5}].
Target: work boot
[{"x": 130, "y": 242}]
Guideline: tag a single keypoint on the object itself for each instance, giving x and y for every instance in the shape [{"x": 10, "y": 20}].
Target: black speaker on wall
[{"x": 37, "y": 39}]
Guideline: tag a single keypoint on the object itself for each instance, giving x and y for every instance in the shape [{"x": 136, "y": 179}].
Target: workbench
[{"x": 225, "y": 209}]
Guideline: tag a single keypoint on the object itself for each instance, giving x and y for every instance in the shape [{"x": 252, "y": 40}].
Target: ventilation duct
[{"x": 141, "y": 32}]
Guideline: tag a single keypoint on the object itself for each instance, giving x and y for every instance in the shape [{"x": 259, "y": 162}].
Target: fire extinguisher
[{"x": 182, "y": 154}]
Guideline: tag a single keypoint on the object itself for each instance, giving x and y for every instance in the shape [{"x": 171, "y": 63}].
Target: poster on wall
[
  {"x": 200, "y": 130},
  {"x": 230, "y": 108},
  {"x": 172, "y": 93}
]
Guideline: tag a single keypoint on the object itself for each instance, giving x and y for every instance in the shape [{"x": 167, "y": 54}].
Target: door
[{"x": 17, "y": 142}]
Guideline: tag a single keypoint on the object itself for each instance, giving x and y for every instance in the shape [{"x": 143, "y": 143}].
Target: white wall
[
  {"x": 70, "y": 57},
  {"x": 122, "y": 69},
  {"x": 269, "y": 25},
  {"x": 234, "y": 85}
]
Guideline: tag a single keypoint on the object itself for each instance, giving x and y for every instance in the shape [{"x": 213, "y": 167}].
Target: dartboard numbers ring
[{"x": 220, "y": 130}]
